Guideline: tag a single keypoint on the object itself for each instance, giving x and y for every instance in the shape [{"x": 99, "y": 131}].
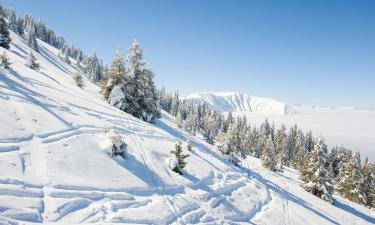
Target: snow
[
  {"x": 54, "y": 167},
  {"x": 235, "y": 101}
]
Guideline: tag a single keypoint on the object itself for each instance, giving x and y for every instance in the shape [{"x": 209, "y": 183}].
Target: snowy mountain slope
[
  {"x": 54, "y": 166},
  {"x": 236, "y": 101}
]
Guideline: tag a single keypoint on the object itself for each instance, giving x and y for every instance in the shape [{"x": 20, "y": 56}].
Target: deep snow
[{"x": 54, "y": 166}]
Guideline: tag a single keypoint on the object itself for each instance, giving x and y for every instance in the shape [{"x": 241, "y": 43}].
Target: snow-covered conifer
[
  {"x": 31, "y": 61},
  {"x": 269, "y": 155},
  {"x": 144, "y": 90},
  {"x": 177, "y": 162},
  {"x": 315, "y": 173},
  {"x": 31, "y": 40},
  {"x": 93, "y": 68},
  {"x": 4, "y": 34},
  {"x": 78, "y": 80},
  {"x": 368, "y": 183},
  {"x": 349, "y": 181},
  {"x": 117, "y": 146},
  {"x": 5, "y": 60}
]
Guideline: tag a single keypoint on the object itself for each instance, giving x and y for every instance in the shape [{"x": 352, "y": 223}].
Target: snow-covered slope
[
  {"x": 54, "y": 166},
  {"x": 238, "y": 102}
]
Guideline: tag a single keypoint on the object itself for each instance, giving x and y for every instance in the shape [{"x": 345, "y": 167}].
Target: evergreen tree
[
  {"x": 299, "y": 150},
  {"x": 12, "y": 19},
  {"x": 66, "y": 58},
  {"x": 78, "y": 80},
  {"x": 309, "y": 142},
  {"x": 368, "y": 183},
  {"x": 92, "y": 68},
  {"x": 178, "y": 162},
  {"x": 281, "y": 147},
  {"x": 5, "y": 61},
  {"x": 144, "y": 91},
  {"x": 315, "y": 173},
  {"x": 31, "y": 40},
  {"x": 31, "y": 61},
  {"x": 339, "y": 156},
  {"x": 115, "y": 74},
  {"x": 4, "y": 34},
  {"x": 175, "y": 104},
  {"x": 349, "y": 182},
  {"x": 268, "y": 157}
]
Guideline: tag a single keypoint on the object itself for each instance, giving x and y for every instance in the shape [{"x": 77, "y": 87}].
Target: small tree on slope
[
  {"x": 268, "y": 157},
  {"x": 31, "y": 61},
  {"x": 349, "y": 182},
  {"x": 4, "y": 34},
  {"x": 5, "y": 60},
  {"x": 78, "y": 80},
  {"x": 178, "y": 162},
  {"x": 316, "y": 174}
]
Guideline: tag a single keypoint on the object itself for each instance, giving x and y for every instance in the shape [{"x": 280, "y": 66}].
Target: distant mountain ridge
[{"x": 239, "y": 102}]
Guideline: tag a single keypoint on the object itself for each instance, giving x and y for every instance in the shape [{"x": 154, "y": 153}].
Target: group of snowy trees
[
  {"x": 322, "y": 171},
  {"x": 131, "y": 89},
  {"x": 32, "y": 29}
]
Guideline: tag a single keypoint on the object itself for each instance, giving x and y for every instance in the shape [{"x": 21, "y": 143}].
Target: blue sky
[{"x": 310, "y": 52}]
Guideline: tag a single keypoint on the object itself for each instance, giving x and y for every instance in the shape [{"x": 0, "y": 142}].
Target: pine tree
[
  {"x": 5, "y": 61},
  {"x": 268, "y": 157},
  {"x": 315, "y": 173},
  {"x": 66, "y": 58},
  {"x": 31, "y": 61},
  {"x": 4, "y": 34},
  {"x": 93, "y": 68},
  {"x": 78, "y": 80},
  {"x": 339, "y": 156},
  {"x": 299, "y": 150},
  {"x": 368, "y": 183},
  {"x": 178, "y": 162},
  {"x": 31, "y": 40},
  {"x": 349, "y": 180},
  {"x": 144, "y": 90},
  {"x": 281, "y": 150},
  {"x": 115, "y": 74}
]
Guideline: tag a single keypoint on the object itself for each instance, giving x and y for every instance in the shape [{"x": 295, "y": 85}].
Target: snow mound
[{"x": 236, "y": 102}]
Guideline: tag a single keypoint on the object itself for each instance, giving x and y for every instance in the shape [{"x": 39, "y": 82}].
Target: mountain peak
[{"x": 238, "y": 102}]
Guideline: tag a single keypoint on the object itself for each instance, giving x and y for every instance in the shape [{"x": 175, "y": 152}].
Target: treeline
[
  {"x": 31, "y": 29},
  {"x": 323, "y": 172}
]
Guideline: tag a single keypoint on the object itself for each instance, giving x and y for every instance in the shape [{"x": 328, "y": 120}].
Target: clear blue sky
[{"x": 310, "y": 52}]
